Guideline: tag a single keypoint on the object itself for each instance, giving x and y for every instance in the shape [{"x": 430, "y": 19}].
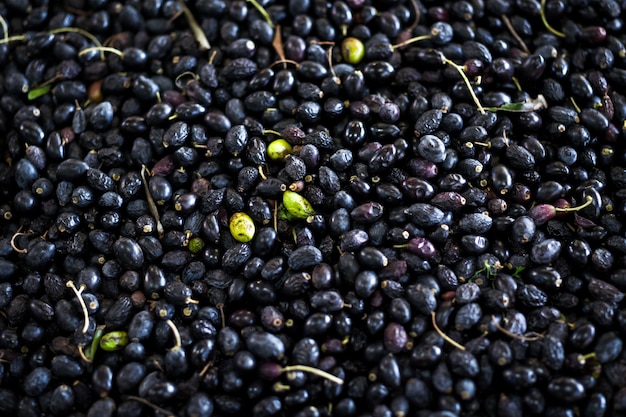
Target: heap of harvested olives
[{"x": 312, "y": 208}]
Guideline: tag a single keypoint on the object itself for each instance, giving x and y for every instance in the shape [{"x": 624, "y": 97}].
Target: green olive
[
  {"x": 278, "y": 150},
  {"x": 113, "y": 341},
  {"x": 352, "y": 50},
  {"x": 297, "y": 206},
  {"x": 242, "y": 227},
  {"x": 195, "y": 245}
]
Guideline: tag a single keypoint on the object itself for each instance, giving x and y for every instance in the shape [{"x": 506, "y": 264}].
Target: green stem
[
  {"x": 198, "y": 33},
  {"x": 461, "y": 72},
  {"x": 410, "y": 41},
  {"x": 313, "y": 371},
  {"x": 263, "y": 12},
  {"x": 102, "y": 49},
  {"x": 442, "y": 334},
  {"x": 542, "y": 13},
  {"x": 5, "y": 28},
  {"x": 86, "y": 34}
]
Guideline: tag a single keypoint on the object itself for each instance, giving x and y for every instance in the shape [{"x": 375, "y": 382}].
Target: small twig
[
  {"x": 177, "y": 81},
  {"x": 418, "y": 15},
  {"x": 329, "y": 56},
  {"x": 410, "y": 41},
  {"x": 277, "y": 43},
  {"x": 461, "y": 72},
  {"x": 529, "y": 337},
  {"x": 86, "y": 34},
  {"x": 149, "y": 404},
  {"x": 151, "y": 205},
  {"x": 263, "y": 12},
  {"x": 81, "y": 353},
  {"x": 542, "y": 14},
  {"x": 442, "y": 334},
  {"x": 83, "y": 306},
  {"x": 314, "y": 371},
  {"x": 5, "y": 28},
  {"x": 220, "y": 307},
  {"x": 176, "y": 333},
  {"x": 13, "y": 38},
  {"x": 275, "y": 132},
  {"x": 102, "y": 49},
  {"x": 284, "y": 61},
  {"x": 12, "y": 241},
  {"x": 206, "y": 368},
  {"x": 198, "y": 33},
  {"x": 574, "y": 104},
  {"x": 511, "y": 29}
]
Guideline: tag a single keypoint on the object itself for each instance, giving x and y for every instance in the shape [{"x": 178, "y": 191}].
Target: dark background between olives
[{"x": 446, "y": 270}]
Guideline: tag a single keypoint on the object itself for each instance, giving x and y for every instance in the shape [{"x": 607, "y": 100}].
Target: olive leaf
[
  {"x": 531, "y": 104},
  {"x": 39, "y": 91}
]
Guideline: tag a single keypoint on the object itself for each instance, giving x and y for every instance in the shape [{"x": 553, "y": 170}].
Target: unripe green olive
[
  {"x": 278, "y": 150},
  {"x": 352, "y": 50},
  {"x": 296, "y": 205},
  {"x": 113, "y": 341},
  {"x": 195, "y": 245},
  {"x": 242, "y": 227}
]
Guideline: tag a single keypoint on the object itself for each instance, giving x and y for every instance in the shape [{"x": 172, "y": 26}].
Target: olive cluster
[{"x": 368, "y": 208}]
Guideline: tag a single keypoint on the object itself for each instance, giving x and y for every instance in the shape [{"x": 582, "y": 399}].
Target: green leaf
[
  {"x": 283, "y": 214},
  {"x": 531, "y": 104},
  {"x": 518, "y": 107},
  {"x": 39, "y": 91}
]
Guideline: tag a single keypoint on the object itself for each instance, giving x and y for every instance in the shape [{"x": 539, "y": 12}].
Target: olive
[{"x": 242, "y": 227}]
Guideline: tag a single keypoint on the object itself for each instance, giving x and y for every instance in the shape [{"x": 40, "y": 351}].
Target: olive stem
[
  {"x": 5, "y": 28},
  {"x": 542, "y": 14},
  {"x": 149, "y": 404},
  {"x": 410, "y": 41},
  {"x": 459, "y": 69},
  {"x": 275, "y": 132},
  {"x": 418, "y": 15},
  {"x": 263, "y": 12},
  {"x": 220, "y": 307},
  {"x": 313, "y": 371},
  {"x": 511, "y": 29},
  {"x": 151, "y": 205},
  {"x": 570, "y": 209},
  {"x": 517, "y": 84},
  {"x": 206, "y": 368},
  {"x": 275, "y": 216},
  {"x": 329, "y": 56},
  {"x": 81, "y": 353},
  {"x": 442, "y": 334},
  {"x": 529, "y": 337},
  {"x": 583, "y": 358},
  {"x": 13, "y": 38},
  {"x": 191, "y": 74},
  {"x": 261, "y": 173},
  {"x": 284, "y": 61},
  {"x": 102, "y": 49},
  {"x": 574, "y": 104},
  {"x": 279, "y": 387},
  {"x": 176, "y": 334},
  {"x": 86, "y": 34},
  {"x": 198, "y": 33},
  {"x": 277, "y": 43},
  {"x": 83, "y": 306},
  {"x": 12, "y": 241}
]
